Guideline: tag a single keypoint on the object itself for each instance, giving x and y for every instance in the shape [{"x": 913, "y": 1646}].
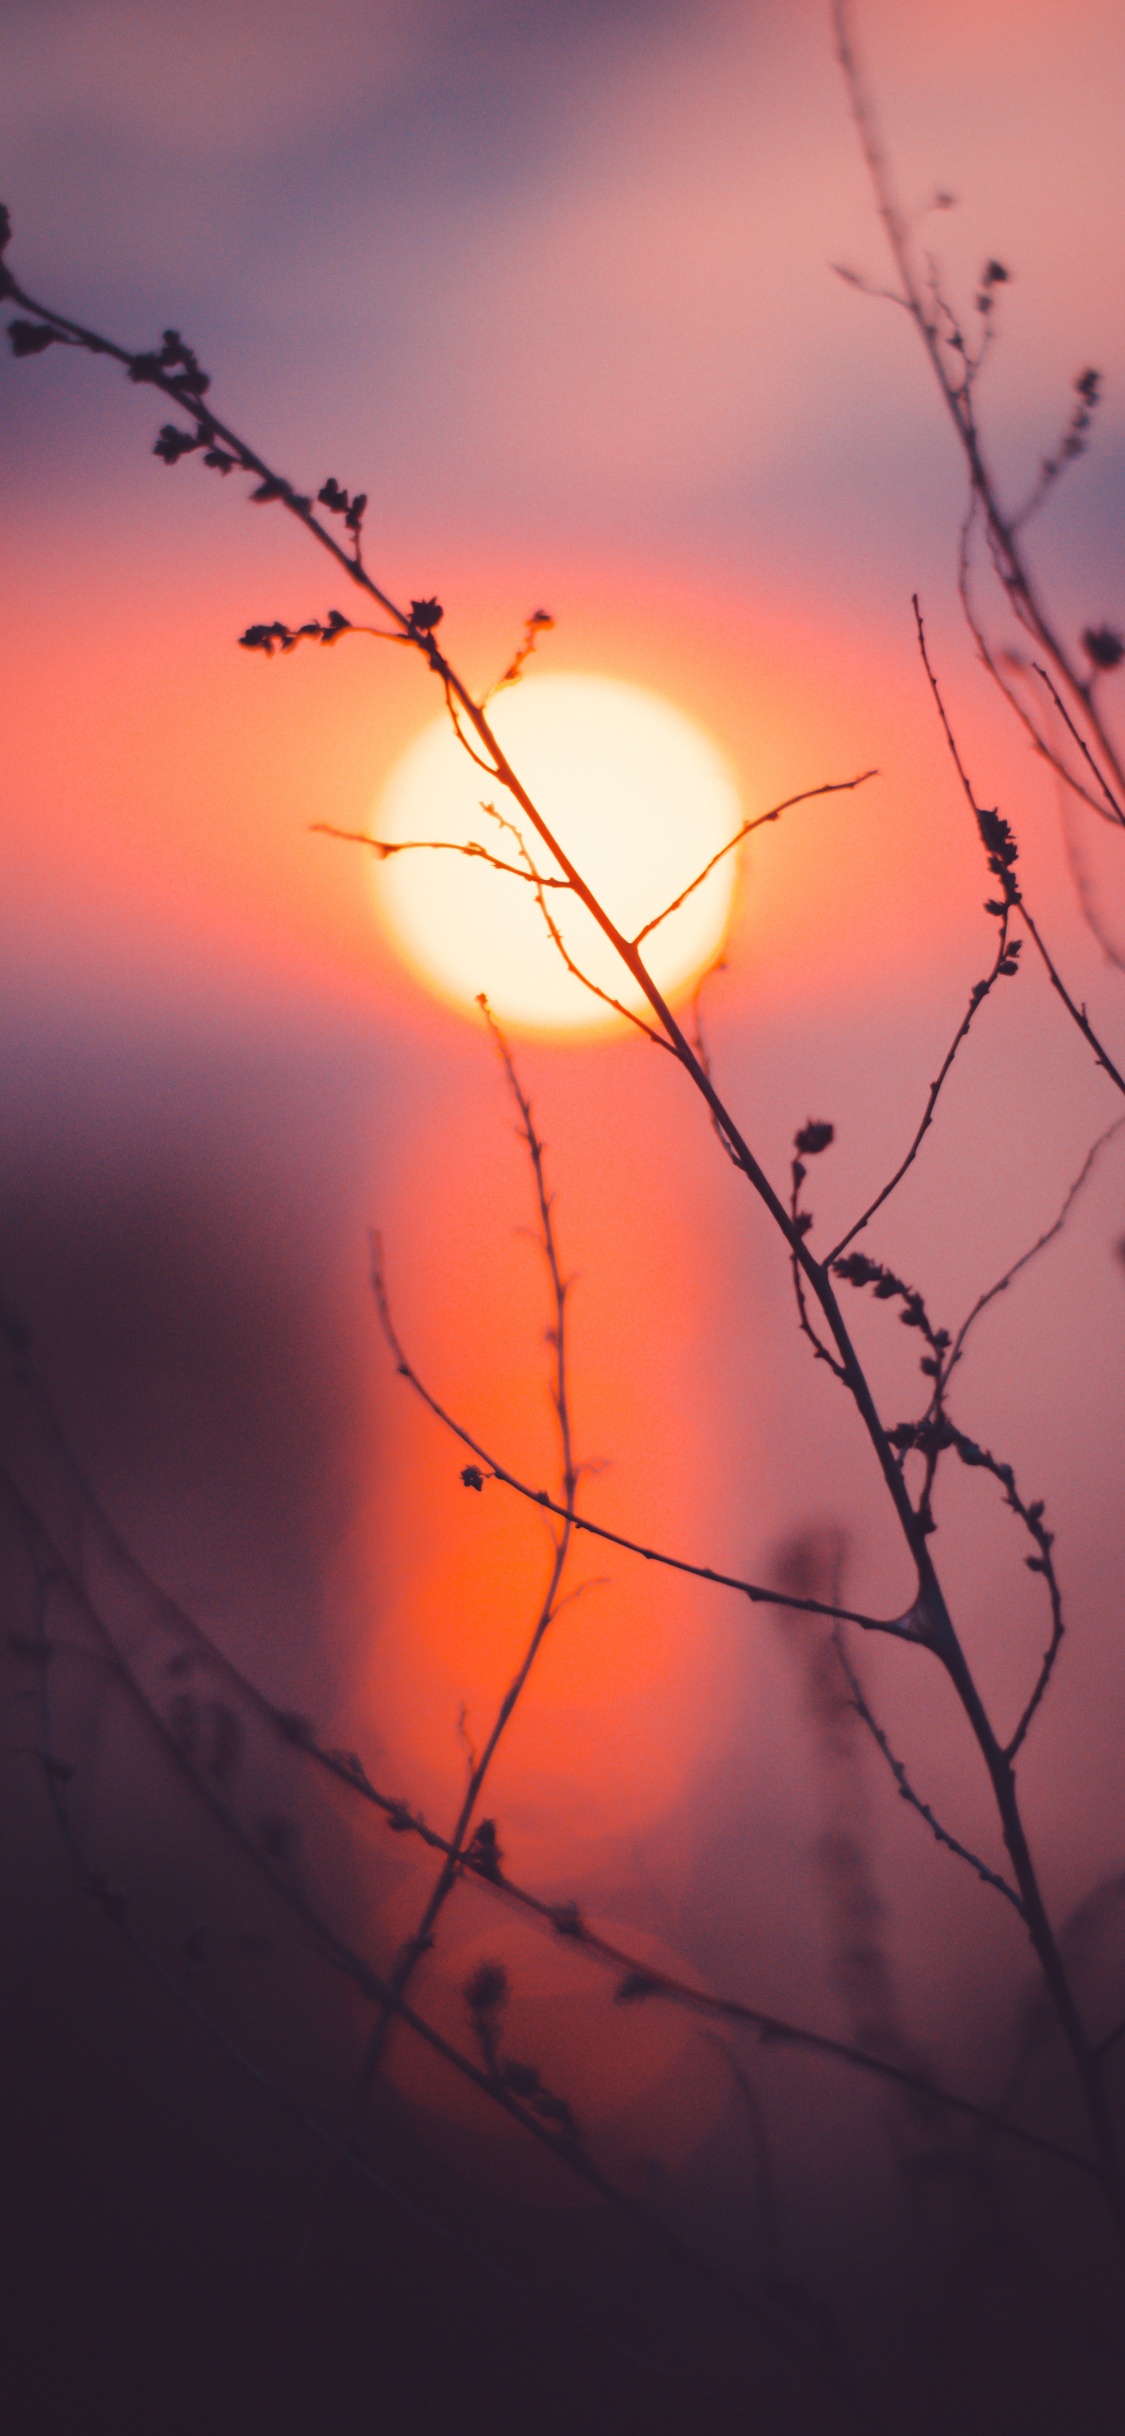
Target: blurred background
[{"x": 554, "y": 287}]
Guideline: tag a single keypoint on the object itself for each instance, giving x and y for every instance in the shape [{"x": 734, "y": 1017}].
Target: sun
[{"x": 639, "y": 797}]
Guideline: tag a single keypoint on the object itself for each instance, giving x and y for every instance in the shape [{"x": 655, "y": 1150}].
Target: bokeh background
[{"x": 554, "y": 286}]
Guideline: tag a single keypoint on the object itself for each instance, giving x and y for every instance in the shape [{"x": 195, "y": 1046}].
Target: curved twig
[
  {"x": 980, "y": 991},
  {"x": 906, "y": 1790},
  {"x": 384, "y": 847},
  {"x": 838, "y": 786},
  {"x": 1040, "y": 1245},
  {"x": 955, "y": 368},
  {"x": 1013, "y": 894},
  {"x": 901, "y": 1627}
]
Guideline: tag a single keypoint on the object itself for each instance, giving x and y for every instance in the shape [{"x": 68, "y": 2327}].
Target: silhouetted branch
[
  {"x": 1114, "y": 812},
  {"x": 839, "y": 786},
  {"x": 1002, "y": 963},
  {"x": 812, "y": 1138},
  {"x": 1002, "y": 853},
  {"x": 484, "y": 1838},
  {"x": 955, "y": 365},
  {"x": 940, "y": 1834},
  {"x": 565, "y": 1920},
  {"x": 385, "y": 847},
  {"x": 900, "y": 1627},
  {"x": 1040, "y": 1244},
  {"x": 1042, "y": 1562},
  {"x": 539, "y": 623}
]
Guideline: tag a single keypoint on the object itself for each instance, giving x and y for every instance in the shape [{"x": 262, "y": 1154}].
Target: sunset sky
[{"x": 553, "y": 284}]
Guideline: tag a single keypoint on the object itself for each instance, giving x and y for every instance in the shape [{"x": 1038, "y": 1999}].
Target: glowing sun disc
[{"x": 639, "y": 798}]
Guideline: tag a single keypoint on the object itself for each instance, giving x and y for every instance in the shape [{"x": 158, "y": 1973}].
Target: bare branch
[
  {"x": 901, "y": 1627},
  {"x": 539, "y": 882},
  {"x": 955, "y": 367},
  {"x": 987, "y": 654},
  {"x": 906, "y": 1790},
  {"x": 1040, "y": 1244},
  {"x": 1031, "y": 1516},
  {"x": 461, "y": 1840},
  {"x": 839, "y": 786},
  {"x": 1115, "y": 810},
  {"x": 539, "y": 623},
  {"x": 1002, "y": 963},
  {"x": 1077, "y": 1014},
  {"x": 1000, "y": 847},
  {"x": 384, "y": 847}
]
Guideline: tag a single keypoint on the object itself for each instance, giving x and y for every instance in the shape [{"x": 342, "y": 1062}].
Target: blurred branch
[
  {"x": 1040, "y": 1245},
  {"x": 484, "y": 1840},
  {"x": 1002, "y": 853},
  {"x": 940, "y": 1834},
  {"x": 1002, "y": 963},
  {"x": 956, "y": 364},
  {"x": 640, "y": 1980}
]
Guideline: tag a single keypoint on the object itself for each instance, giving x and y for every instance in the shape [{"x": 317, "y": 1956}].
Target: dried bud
[
  {"x": 31, "y": 337},
  {"x": 484, "y": 1853},
  {"x": 487, "y": 1990},
  {"x": 1104, "y": 646},
  {"x": 173, "y": 443},
  {"x": 814, "y": 1137}
]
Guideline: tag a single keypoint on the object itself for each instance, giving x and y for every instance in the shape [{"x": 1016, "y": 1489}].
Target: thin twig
[
  {"x": 1040, "y": 1244},
  {"x": 980, "y": 991},
  {"x": 1013, "y": 892},
  {"x": 1031, "y": 1516},
  {"x": 942, "y": 339},
  {"x": 1077, "y": 1014},
  {"x": 1115, "y": 810},
  {"x": 447, "y": 1877},
  {"x": 839, "y": 786},
  {"x": 756, "y": 1592},
  {"x": 898, "y": 1771},
  {"x": 385, "y": 847}
]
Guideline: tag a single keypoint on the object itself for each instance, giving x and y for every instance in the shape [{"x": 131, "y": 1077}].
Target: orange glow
[
  {"x": 637, "y": 796},
  {"x": 624, "y": 1698}
]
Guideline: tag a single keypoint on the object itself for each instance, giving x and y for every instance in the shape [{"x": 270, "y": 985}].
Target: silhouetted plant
[
  {"x": 1038, "y": 668},
  {"x": 262, "y": 1776}
]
